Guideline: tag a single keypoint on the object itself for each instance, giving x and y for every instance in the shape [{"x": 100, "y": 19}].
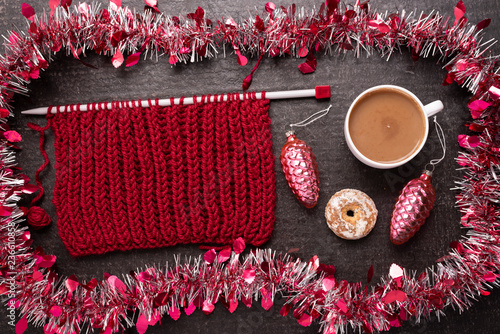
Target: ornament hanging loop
[
  {"x": 442, "y": 141},
  {"x": 314, "y": 117}
]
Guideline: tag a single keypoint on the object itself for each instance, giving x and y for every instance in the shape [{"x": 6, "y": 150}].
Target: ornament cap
[{"x": 289, "y": 133}]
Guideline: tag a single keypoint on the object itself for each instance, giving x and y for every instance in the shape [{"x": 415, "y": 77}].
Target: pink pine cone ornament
[
  {"x": 412, "y": 208},
  {"x": 301, "y": 170}
]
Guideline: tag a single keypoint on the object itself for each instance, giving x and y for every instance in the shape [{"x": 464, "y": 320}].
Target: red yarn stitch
[{"x": 134, "y": 177}]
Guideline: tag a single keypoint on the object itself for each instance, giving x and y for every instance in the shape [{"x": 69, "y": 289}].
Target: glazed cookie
[{"x": 351, "y": 214}]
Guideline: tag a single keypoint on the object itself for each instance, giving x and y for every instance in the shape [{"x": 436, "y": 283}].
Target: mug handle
[{"x": 433, "y": 108}]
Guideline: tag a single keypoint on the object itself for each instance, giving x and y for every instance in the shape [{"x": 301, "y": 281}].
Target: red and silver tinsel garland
[{"x": 65, "y": 305}]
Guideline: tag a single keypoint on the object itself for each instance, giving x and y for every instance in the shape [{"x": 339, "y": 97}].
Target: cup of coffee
[{"x": 386, "y": 126}]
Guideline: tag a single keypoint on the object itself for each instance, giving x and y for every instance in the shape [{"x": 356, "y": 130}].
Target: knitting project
[{"x": 134, "y": 177}]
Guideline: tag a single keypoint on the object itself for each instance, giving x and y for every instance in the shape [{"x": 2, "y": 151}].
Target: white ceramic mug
[{"x": 428, "y": 110}]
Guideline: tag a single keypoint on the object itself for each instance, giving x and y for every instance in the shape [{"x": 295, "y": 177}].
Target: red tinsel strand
[{"x": 467, "y": 271}]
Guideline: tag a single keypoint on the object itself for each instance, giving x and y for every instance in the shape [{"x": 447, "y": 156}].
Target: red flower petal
[
  {"x": 12, "y": 136},
  {"x": 239, "y": 245},
  {"x": 28, "y": 11},
  {"x": 133, "y": 59}
]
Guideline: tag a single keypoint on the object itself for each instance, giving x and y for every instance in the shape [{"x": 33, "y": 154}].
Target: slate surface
[{"x": 67, "y": 81}]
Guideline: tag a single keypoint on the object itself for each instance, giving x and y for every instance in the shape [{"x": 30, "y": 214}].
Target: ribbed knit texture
[{"x": 152, "y": 177}]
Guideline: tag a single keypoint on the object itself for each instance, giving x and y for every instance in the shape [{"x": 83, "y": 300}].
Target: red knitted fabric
[{"x": 160, "y": 176}]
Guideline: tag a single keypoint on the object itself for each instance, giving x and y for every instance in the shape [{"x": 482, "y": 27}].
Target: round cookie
[{"x": 351, "y": 214}]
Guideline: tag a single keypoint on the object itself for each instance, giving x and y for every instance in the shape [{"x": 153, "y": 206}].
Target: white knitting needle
[{"x": 319, "y": 92}]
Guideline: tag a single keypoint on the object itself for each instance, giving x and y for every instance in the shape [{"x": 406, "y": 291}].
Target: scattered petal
[
  {"x": 133, "y": 59},
  {"x": 239, "y": 245},
  {"x": 12, "y": 136},
  {"x": 28, "y": 11},
  {"x": 210, "y": 256},
  {"x": 249, "y": 275}
]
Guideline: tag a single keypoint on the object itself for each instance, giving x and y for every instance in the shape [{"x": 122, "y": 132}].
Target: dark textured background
[{"x": 68, "y": 81}]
